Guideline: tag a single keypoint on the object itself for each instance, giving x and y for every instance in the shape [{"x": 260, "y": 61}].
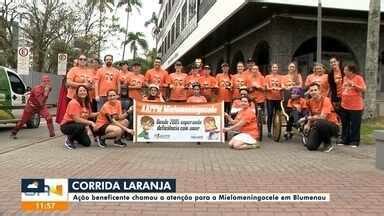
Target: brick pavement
[{"x": 349, "y": 175}]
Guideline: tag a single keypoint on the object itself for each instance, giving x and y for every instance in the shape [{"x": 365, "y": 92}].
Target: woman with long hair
[
  {"x": 76, "y": 124},
  {"x": 274, "y": 85},
  {"x": 335, "y": 79}
]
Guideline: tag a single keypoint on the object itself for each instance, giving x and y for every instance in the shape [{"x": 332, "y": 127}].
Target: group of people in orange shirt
[{"x": 113, "y": 91}]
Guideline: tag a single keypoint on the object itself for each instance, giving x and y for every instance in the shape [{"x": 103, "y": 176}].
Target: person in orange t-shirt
[
  {"x": 352, "y": 105},
  {"x": 136, "y": 83},
  {"x": 293, "y": 78},
  {"x": 111, "y": 123},
  {"x": 77, "y": 76},
  {"x": 320, "y": 77},
  {"x": 256, "y": 86},
  {"x": 208, "y": 84},
  {"x": 225, "y": 87},
  {"x": 107, "y": 79},
  {"x": 197, "y": 97},
  {"x": 176, "y": 84},
  {"x": 154, "y": 94},
  {"x": 274, "y": 85},
  {"x": 124, "y": 77},
  {"x": 192, "y": 79},
  {"x": 239, "y": 80},
  {"x": 76, "y": 124},
  {"x": 157, "y": 76},
  {"x": 93, "y": 66},
  {"x": 296, "y": 109},
  {"x": 323, "y": 123},
  {"x": 246, "y": 123}
]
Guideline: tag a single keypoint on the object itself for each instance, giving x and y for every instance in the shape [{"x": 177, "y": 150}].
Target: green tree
[
  {"x": 102, "y": 6},
  {"x": 129, "y": 4},
  {"x": 136, "y": 39}
]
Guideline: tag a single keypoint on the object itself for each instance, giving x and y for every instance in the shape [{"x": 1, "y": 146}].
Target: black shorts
[{"x": 102, "y": 129}]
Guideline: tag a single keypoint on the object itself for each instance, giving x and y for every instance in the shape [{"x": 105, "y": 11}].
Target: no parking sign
[{"x": 23, "y": 60}]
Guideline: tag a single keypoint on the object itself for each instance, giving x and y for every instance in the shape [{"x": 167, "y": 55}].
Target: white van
[{"x": 13, "y": 98}]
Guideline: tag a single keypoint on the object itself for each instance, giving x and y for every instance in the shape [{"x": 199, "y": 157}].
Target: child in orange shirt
[
  {"x": 296, "y": 109},
  {"x": 197, "y": 97}
]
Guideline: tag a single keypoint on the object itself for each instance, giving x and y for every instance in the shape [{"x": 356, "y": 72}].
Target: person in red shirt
[
  {"x": 197, "y": 97},
  {"x": 296, "y": 108},
  {"x": 111, "y": 123},
  {"x": 274, "y": 86},
  {"x": 157, "y": 76},
  {"x": 36, "y": 104},
  {"x": 154, "y": 94},
  {"x": 320, "y": 77},
  {"x": 352, "y": 105},
  {"x": 107, "y": 79},
  {"x": 225, "y": 87},
  {"x": 76, "y": 123},
  {"x": 323, "y": 123},
  {"x": 176, "y": 84},
  {"x": 208, "y": 84},
  {"x": 246, "y": 123}
]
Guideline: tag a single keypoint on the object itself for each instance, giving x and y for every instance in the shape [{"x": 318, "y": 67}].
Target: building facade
[{"x": 269, "y": 31}]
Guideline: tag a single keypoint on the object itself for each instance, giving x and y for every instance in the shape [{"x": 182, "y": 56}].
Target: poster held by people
[{"x": 178, "y": 122}]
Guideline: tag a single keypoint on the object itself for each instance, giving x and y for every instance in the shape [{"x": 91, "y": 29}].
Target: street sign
[
  {"x": 62, "y": 63},
  {"x": 23, "y": 60}
]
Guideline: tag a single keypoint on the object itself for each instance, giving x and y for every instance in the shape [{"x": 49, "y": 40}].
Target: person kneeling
[
  {"x": 111, "y": 123},
  {"x": 75, "y": 124},
  {"x": 246, "y": 123},
  {"x": 323, "y": 123}
]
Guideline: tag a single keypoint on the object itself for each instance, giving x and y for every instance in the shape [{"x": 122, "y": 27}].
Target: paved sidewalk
[{"x": 349, "y": 175}]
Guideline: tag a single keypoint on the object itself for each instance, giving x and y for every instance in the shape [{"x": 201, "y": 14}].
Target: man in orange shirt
[
  {"x": 124, "y": 76},
  {"x": 323, "y": 123},
  {"x": 225, "y": 87},
  {"x": 191, "y": 79},
  {"x": 107, "y": 79},
  {"x": 136, "y": 82},
  {"x": 208, "y": 84},
  {"x": 77, "y": 76},
  {"x": 157, "y": 76},
  {"x": 176, "y": 84}
]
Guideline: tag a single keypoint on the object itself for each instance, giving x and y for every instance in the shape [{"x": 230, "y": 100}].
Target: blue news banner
[{"x": 140, "y": 190}]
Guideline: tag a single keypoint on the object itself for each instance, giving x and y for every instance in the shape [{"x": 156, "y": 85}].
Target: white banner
[
  {"x": 179, "y": 122},
  {"x": 23, "y": 54},
  {"x": 62, "y": 59}
]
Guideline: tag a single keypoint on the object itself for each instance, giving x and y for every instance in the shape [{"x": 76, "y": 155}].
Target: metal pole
[{"x": 319, "y": 34}]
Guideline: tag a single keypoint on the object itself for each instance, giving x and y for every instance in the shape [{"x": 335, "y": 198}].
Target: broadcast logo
[{"x": 44, "y": 194}]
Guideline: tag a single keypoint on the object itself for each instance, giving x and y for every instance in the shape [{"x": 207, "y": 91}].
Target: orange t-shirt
[
  {"x": 352, "y": 97},
  {"x": 258, "y": 95},
  {"x": 322, "y": 80},
  {"x": 108, "y": 109},
  {"x": 78, "y": 75},
  {"x": 225, "y": 87},
  {"x": 91, "y": 77},
  {"x": 124, "y": 77},
  {"x": 324, "y": 107},
  {"x": 197, "y": 99},
  {"x": 298, "y": 103},
  {"x": 238, "y": 80},
  {"x": 75, "y": 109},
  {"x": 292, "y": 81},
  {"x": 178, "y": 91},
  {"x": 274, "y": 81},
  {"x": 250, "y": 119},
  {"x": 338, "y": 77},
  {"x": 236, "y": 105},
  {"x": 135, "y": 84},
  {"x": 157, "y": 77},
  {"x": 207, "y": 83},
  {"x": 189, "y": 80},
  {"x": 107, "y": 78}
]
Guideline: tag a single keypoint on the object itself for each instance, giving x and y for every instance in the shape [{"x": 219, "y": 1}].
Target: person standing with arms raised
[{"x": 107, "y": 79}]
